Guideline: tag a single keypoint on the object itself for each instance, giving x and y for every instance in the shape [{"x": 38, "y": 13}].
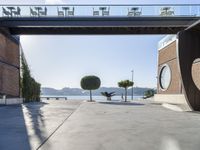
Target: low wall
[
  {"x": 53, "y": 98},
  {"x": 11, "y": 101},
  {"x": 170, "y": 98}
]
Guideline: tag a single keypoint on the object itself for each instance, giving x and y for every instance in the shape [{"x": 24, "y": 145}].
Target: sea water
[{"x": 97, "y": 98}]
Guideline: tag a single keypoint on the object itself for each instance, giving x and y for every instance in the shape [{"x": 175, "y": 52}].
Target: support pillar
[{"x": 189, "y": 50}]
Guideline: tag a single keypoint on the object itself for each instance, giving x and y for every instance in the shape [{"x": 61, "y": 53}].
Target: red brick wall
[
  {"x": 168, "y": 56},
  {"x": 9, "y": 66}
]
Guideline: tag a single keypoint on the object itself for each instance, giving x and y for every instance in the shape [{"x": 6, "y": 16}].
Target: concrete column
[{"x": 188, "y": 52}]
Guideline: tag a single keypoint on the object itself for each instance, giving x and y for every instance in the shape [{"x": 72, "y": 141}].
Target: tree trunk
[
  {"x": 125, "y": 94},
  {"x": 109, "y": 98},
  {"x": 90, "y": 95}
]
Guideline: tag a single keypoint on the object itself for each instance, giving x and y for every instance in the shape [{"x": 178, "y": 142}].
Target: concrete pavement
[
  {"x": 138, "y": 126},
  {"x": 76, "y": 125},
  {"x": 27, "y": 126}
]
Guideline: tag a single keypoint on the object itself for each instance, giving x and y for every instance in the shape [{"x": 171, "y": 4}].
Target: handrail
[
  {"x": 40, "y": 10},
  {"x": 100, "y": 5}
]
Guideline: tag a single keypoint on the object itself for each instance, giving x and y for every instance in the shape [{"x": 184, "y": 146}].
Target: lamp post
[{"x": 132, "y": 71}]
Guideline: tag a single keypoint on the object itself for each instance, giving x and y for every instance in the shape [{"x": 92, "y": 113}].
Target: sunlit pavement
[
  {"x": 98, "y": 126},
  {"x": 27, "y": 126}
]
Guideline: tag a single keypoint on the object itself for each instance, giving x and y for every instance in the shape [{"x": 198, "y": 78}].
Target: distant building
[{"x": 169, "y": 86}]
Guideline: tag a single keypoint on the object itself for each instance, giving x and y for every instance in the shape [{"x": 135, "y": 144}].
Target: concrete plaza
[{"x": 77, "y": 125}]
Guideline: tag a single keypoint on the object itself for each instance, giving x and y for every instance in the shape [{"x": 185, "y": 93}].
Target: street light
[{"x": 132, "y": 71}]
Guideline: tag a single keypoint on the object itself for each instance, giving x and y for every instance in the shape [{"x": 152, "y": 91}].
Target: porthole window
[{"x": 165, "y": 77}]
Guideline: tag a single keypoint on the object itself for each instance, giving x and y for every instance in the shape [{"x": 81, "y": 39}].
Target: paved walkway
[
  {"x": 24, "y": 127},
  {"x": 99, "y": 126}
]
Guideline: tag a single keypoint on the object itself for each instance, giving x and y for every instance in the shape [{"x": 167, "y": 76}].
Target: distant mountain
[{"x": 79, "y": 92}]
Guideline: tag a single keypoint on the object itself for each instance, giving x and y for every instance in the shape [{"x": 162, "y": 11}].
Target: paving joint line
[{"x": 58, "y": 127}]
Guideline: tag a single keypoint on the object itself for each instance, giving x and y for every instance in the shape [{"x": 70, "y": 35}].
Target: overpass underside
[
  {"x": 93, "y": 30},
  {"x": 96, "y": 25}
]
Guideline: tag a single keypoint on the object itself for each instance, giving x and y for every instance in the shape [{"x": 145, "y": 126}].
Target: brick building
[
  {"x": 169, "y": 86},
  {"x": 9, "y": 65}
]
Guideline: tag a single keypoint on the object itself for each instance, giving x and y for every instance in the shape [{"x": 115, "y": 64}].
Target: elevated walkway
[{"x": 98, "y": 19}]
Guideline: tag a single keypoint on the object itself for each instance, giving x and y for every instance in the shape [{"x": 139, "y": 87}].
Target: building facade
[
  {"x": 9, "y": 66},
  {"x": 169, "y": 85}
]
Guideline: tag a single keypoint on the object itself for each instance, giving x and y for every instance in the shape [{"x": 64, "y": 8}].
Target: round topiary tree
[{"x": 90, "y": 83}]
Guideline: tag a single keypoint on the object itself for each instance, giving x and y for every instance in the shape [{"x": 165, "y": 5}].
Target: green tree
[
  {"x": 149, "y": 93},
  {"x": 90, "y": 83},
  {"x": 30, "y": 89},
  {"x": 125, "y": 84}
]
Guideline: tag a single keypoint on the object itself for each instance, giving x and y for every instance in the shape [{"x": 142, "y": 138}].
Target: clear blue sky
[{"x": 61, "y": 61}]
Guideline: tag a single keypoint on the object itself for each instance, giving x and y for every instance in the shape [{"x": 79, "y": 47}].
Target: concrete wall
[
  {"x": 9, "y": 66},
  {"x": 53, "y": 98},
  {"x": 170, "y": 98},
  {"x": 11, "y": 101}
]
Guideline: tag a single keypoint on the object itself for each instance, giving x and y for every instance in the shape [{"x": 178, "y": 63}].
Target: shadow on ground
[
  {"x": 13, "y": 131},
  {"x": 122, "y": 103},
  {"x": 36, "y": 120},
  {"x": 16, "y": 121}
]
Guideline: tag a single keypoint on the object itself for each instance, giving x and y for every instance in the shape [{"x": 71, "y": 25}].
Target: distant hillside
[{"x": 79, "y": 92}]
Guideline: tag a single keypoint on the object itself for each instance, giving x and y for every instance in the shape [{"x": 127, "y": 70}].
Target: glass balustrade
[
  {"x": 100, "y": 10},
  {"x": 166, "y": 41}
]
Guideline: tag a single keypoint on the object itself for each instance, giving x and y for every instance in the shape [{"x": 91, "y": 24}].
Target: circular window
[{"x": 165, "y": 77}]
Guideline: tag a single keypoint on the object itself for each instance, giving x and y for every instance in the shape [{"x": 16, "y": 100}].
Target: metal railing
[
  {"x": 166, "y": 41},
  {"x": 157, "y": 10}
]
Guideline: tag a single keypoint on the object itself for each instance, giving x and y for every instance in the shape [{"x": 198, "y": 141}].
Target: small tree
[
  {"x": 108, "y": 95},
  {"x": 125, "y": 84},
  {"x": 30, "y": 89},
  {"x": 149, "y": 93},
  {"x": 90, "y": 83}
]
